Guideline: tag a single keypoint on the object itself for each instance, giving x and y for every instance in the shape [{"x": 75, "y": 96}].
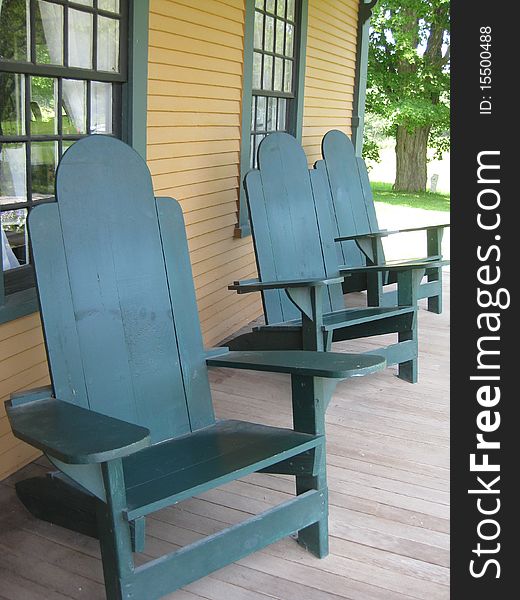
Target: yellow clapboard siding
[
  {"x": 200, "y": 202},
  {"x": 233, "y": 11},
  {"x": 178, "y": 89},
  {"x": 17, "y": 456},
  {"x": 12, "y": 328},
  {"x": 219, "y": 20},
  {"x": 225, "y": 245},
  {"x": 221, "y": 329},
  {"x": 208, "y": 214},
  {"x": 210, "y": 263},
  {"x": 186, "y": 163},
  {"x": 184, "y": 104},
  {"x": 162, "y": 39},
  {"x": 161, "y": 135},
  {"x": 190, "y": 75},
  {"x": 200, "y": 189},
  {"x": 330, "y": 71},
  {"x": 189, "y": 149},
  {"x": 192, "y": 119},
  {"x": 163, "y": 56},
  {"x": 195, "y": 31}
]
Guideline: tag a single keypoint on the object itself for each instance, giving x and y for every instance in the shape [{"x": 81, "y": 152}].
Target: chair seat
[
  {"x": 347, "y": 318},
  {"x": 169, "y": 472}
]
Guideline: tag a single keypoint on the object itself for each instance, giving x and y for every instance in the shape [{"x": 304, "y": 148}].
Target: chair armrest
[
  {"x": 215, "y": 351},
  {"x": 395, "y": 267},
  {"x": 243, "y": 287},
  {"x": 386, "y": 233},
  {"x": 73, "y": 434},
  {"x": 331, "y": 365}
]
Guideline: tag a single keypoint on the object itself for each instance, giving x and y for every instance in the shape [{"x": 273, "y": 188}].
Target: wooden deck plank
[{"x": 388, "y": 469}]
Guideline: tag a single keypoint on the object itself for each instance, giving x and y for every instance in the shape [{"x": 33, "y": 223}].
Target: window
[
  {"x": 273, "y": 86},
  {"x": 62, "y": 68},
  {"x": 273, "y": 79}
]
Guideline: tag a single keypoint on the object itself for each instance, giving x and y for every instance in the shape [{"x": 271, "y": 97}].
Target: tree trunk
[{"x": 411, "y": 159}]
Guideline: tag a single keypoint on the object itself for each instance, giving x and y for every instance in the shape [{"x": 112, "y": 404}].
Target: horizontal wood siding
[
  {"x": 330, "y": 71},
  {"x": 23, "y": 365},
  {"x": 194, "y": 107}
]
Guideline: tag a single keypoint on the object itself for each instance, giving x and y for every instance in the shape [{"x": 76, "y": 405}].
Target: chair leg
[
  {"x": 435, "y": 302},
  {"x": 434, "y": 247},
  {"x": 408, "y": 283},
  {"x": 311, "y": 396},
  {"x": 375, "y": 289},
  {"x": 114, "y": 533},
  {"x": 315, "y": 537}
]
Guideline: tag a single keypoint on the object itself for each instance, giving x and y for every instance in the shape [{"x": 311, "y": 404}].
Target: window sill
[{"x": 19, "y": 304}]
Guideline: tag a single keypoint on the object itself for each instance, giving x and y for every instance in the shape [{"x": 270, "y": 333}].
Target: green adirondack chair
[
  {"x": 356, "y": 229},
  {"x": 129, "y": 421},
  {"x": 298, "y": 266}
]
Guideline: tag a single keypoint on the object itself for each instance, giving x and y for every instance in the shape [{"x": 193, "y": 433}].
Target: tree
[{"x": 408, "y": 81}]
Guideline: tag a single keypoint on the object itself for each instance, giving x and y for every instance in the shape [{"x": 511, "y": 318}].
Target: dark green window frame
[
  {"x": 132, "y": 104},
  {"x": 294, "y": 114}
]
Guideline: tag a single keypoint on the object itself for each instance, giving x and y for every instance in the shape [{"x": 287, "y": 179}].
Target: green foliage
[{"x": 408, "y": 73}]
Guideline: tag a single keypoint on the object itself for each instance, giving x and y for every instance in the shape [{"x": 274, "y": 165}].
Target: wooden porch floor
[{"x": 388, "y": 469}]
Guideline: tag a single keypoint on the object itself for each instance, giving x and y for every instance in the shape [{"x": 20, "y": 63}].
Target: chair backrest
[
  {"x": 352, "y": 207},
  {"x": 116, "y": 293},
  {"x": 290, "y": 221}
]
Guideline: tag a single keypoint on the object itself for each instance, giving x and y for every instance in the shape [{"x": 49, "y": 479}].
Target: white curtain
[{"x": 80, "y": 48}]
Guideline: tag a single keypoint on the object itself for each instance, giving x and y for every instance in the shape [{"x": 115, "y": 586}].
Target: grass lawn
[{"x": 383, "y": 193}]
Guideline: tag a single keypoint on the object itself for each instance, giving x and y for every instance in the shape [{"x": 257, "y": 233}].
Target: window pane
[
  {"x": 13, "y": 30},
  {"x": 43, "y": 166},
  {"x": 289, "y": 40},
  {"x": 13, "y": 185},
  {"x": 269, "y": 34},
  {"x": 101, "y": 107},
  {"x": 111, "y": 5},
  {"x": 108, "y": 44},
  {"x": 84, "y": 2},
  {"x": 279, "y": 36},
  {"x": 12, "y": 106},
  {"x": 74, "y": 107},
  {"x": 278, "y": 74},
  {"x": 14, "y": 239},
  {"x": 253, "y": 112},
  {"x": 66, "y": 144},
  {"x": 260, "y": 113},
  {"x": 288, "y": 83},
  {"x": 252, "y": 156},
  {"x": 267, "y": 79},
  {"x": 269, "y": 6},
  {"x": 259, "y": 4},
  {"x": 257, "y": 71},
  {"x": 80, "y": 39},
  {"x": 271, "y": 114},
  {"x": 43, "y": 106},
  {"x": 282, "y": 112},
  {"x": 48, "y": 25},
  {"x": 280, "y": 8},
  {"x": 259, "y": 30},
  {"x": 290, "y": 10}
]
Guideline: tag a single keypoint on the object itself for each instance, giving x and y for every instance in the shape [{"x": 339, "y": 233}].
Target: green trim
[
  {"x": 243, "y": 227},
  {"x": 302, "y": 57},
  {"x": 360, "y": 85},
  {"x": 19, "y": 305},
  {"x": 135, "y": 90}
]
